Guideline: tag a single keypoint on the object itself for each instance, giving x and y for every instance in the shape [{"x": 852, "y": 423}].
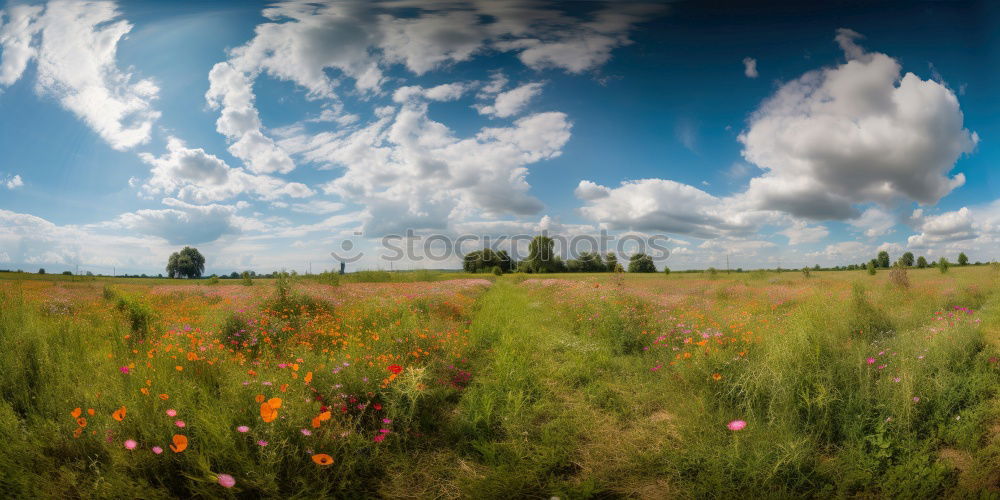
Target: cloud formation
[
  {"x": 73, "y": 45},
  {"x": 750, "y": 67},
  {"x": 856, "y": 133}
]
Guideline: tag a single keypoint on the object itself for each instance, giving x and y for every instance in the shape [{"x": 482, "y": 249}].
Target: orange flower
[
  {"x": 82, "y": 422},
  {"x": 119, "y": 414},
  {"x": 90, "y": 411},
  {"x": 77, "y": 432},
  {"x": 180, "y": 443},
  {"x": 267, "y": 412},
  {"x": 164, "y": 396},
  {"x": 179, "y": 368},
  {"x": 309, "y": 377},
  {"x": 321, "y": 418},
  {"x": 76, "y": 412},
  {"x": 716, "y": 376},
  {"x": 259, "y": 398},
  {"x": 274, "y": 402},
  {"x": 322, "y": 459},
  {"x": 144, "y": 390},
  {"x": 284, "y": 387}
]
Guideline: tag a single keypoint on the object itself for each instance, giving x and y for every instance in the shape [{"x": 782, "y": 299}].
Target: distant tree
[
  {"x": 641, "y": 263},
  {"x": 247, "y": 281},
  {"x": 67, "y": 273},
  {"x": 541, "y": 256},
  {"x": 234, "y": 275},
  {"x": 871, "y": 267},
  {"x": 188, "y": 263},
  {"x": 41, "y": 271},
  {"x": 816, "y": 267},
  {"x": 805, "y": 271},
  {"x": 921, "y": 262},
  {"x": 587, "y": 262},
  {"x": 666, "y": 270},
  {"x": 611, "y": 262},
  {"x": 943, "y": 265},
  {"x": 883, "y": 259},
  {"x": 963, "y": 260},
  {"x": 907, "y": 259}
]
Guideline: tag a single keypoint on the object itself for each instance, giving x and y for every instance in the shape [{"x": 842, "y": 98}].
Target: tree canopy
[
  {"x": 641, "y": 263},
  {"x": 188, "y": 263}
]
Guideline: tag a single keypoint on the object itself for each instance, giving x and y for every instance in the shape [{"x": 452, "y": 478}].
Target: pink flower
[
  {"x": 180, "y": 423},
  {"x": 386, "y": 420},
  {"x": 130, "y": 444},
  {"x": 171, "y": 412},
  {"x": 379, "y": 438},
  {"x": 384, "y": 431},
  {"x": 916, "y": 399},
  {"x": 871, "y": 361},
  {"x": 124, "y": 370},
  {"x": 157, "y": 450},
  {"x": 226, "y": 481},
  {"x": 306, "y": 432},
  {"x": 243, "y": 428},
  {"x": 736, "y": 425},
  {"x": 262, "y": 442}
]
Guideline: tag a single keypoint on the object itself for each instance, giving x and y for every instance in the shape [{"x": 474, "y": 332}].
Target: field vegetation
[{"x": 449, "y": 385}]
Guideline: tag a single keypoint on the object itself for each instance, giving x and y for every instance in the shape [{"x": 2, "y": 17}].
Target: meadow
[{"x": 447, "y": 385}]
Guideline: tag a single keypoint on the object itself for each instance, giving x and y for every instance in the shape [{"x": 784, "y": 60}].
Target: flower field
[{"x": 576, "y": 386}]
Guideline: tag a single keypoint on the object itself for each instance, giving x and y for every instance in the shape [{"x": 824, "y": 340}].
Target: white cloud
[
  {"x": 511, "y": 102},
  {"x": 410, "y": 171},
  {"x": 667, "y": 206},
  {"x": 13, "y": 182},
  {"x": 184, "y": 224},
  {"x": 317, "y": 207},
  {"x": 194, "y": 175},
  {"x": 874, "y": 222},
  {"x": 750, "y": 67},
  {"x": 944, "y": 228},
  {"x": 855, "y": 133},
  {"x": 74, "y": 46},
  {"x": 800, "y": 232}
]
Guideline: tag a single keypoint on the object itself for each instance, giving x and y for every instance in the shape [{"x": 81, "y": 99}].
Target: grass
[{"x": 576, "y": 386}]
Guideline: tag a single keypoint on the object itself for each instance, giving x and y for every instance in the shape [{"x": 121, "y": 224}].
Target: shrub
[
  {"x": 805, "y": 272},
  {"x": 898, "y": 277},
  {"x": 247, "y": 281},
  {"x": 943, "y": 265},
  {"x": 497, "y": 271}
]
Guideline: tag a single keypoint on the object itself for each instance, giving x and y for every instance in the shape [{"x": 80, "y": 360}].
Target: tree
[
  {"x": 188, "y": 263},
  {"x": 641, "y": 263},
  {"x": 907, "y": 259},
  {"x": 883, "y": 259},
  {"x": 921, "y": 262},
  {"x": 611, "y": 262},
  {"x": 41, "y": 271},
  {"x": 963, "y": 260},
  {"x": 871, "y": 267},
  {"x": 666, "y": 270},
  {"x": 943, "y": 265},
  {"x": 541, "y": 256}
]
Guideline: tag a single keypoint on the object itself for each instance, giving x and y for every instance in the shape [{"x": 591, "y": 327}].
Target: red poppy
[{"x": 396, "y": 369}]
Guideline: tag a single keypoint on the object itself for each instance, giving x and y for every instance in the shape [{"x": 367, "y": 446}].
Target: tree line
[{"x": 543, "y": 259}]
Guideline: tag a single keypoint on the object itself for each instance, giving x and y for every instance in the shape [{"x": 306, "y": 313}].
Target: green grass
[{"x": 576, "y": 390}]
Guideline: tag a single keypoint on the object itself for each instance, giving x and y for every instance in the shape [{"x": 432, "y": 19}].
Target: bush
[
  {"x": 943, "y": 265},
  {"x": 497, "y": 271},
  {"x": 139, "y": 315},
  {"x": 898, "y": 277},
  {"x": 247, "y": 281}
]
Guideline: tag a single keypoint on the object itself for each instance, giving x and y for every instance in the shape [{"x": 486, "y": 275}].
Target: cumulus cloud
[
  {"x": 750, "y": 67},
  {"x": 73, "y": 45},
  {"x": 194, "y": 175},
  {"x": 801, "y": 232},
  {"x": 13, "y": 182},
  {"x": 317, "y": 45},
  {"x": 874, "y": 222},
  {"x": 511, "y": 102},
  {"x": 667, "y": 206},
  {"x": 410, "y": 171},
  {"x": 855, "y": 133},
  {"x": 944, "y": 228},
  {"x": 184, "y": 223}
]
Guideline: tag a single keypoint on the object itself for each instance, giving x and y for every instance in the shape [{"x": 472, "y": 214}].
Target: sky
[{"x": 269, "y": 135}]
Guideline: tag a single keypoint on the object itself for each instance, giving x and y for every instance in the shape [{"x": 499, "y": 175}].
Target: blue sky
[{"x": 267, "y": 134}]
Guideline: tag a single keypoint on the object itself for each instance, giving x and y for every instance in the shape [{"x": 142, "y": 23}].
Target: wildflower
[
  {"x": 259, "y": 398},
  {"x": 76, "y": 412},
  {"x": 267, "y": 412},
  {"x": 716, "y": 377},
  {"x": 896, "y": 379},
  {"x": 322, "y": 459},
  {"x": 736, "y": 425},
  {"x": 119, "y": 414},
  {"x": 157, "y": 450},
  {"x": 379, "y": 438},
  {"x": 180, "y": 423},
  {"x": 180, "y": 443},
  {"x": 226, "y": 481},
  {"x": 386, "y": 420},
  {"x": 243, "y": 428},
  {"x": 916, "y": 399},
  {"x": 171, "y": 412},
  {"x": 306, "y": 432},
  {"x": 871, "y": 361},
  {"x": 124, "y": 370},
  {"x": 130, "y": 444},
  {"x": 262, "y": 443},
  {"x": 395, "y": 369}
]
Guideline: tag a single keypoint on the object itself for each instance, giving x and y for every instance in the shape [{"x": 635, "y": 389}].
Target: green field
[{"x": 446, "y": 385}]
